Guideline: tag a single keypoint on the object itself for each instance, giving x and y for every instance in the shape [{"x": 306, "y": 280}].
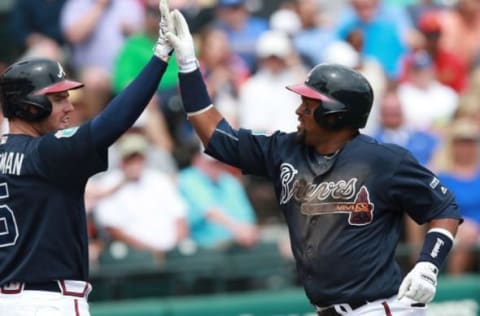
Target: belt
[
  {"x": 51, "y": 286},
  {"x": 330, "y": 311},
  {"x": 65, "y": 287}
]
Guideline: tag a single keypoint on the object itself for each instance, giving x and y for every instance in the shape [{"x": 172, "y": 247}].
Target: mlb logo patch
[
  {"x": 65, "y": 133},
  {"x": 262, "y": 133}
]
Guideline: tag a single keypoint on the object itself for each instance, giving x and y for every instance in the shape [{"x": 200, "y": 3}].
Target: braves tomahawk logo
[{"x": 327, "y": 197}]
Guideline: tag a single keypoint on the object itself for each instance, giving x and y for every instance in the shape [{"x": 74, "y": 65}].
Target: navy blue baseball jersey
[
  {"x": 344, "y": 211},
  {"x": 42, "y": 181}
]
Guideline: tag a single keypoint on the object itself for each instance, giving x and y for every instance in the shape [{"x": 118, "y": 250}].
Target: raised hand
[
  {"x": 163, "y": 48},
  {"x": 182, "y": 41}
]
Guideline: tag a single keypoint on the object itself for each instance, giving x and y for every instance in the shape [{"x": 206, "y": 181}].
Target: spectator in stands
[
  {"x": 393, "y": 129},
  {"x": 277, "y": 65},
  {"x": 450, "y": 69},
  {"x": 146, "y": 212},
  {"x": 96, "y": 234},
  {"x": 219, "y": 211},
  {"x": 461, "y": 30},
  {"x": 427, "y": 103},
  {"x": 418, "y": 8},
  {"x": 96, "y": 30},
  {"x": 34, "y": 28},
  {"x": 388, "y": 32},
  {"x": 133, "y": 54},
  {"x": 286, "y": 19},
  {"x": 468, "y": 107},
  {"x": 345, "y": 53},
  {"x": 315, "y": 34},
  {"x": 457, "y": 164},
  {"x": 224, "y": 71},
  {"x": 242, "y": 29}
]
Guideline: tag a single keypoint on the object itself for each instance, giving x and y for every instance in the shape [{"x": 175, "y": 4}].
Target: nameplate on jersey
[
  {"x": 327, "y": 197},
  {"x": 11, "y": 163},
  {"x": 65, "y": 133}
]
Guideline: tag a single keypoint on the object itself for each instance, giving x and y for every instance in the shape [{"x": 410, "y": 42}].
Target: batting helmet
[
  {"x": 342, "y": 91},
  {"x": 25, "y": 84}
]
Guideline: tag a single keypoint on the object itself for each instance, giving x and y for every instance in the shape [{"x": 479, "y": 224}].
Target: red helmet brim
[
  {"x": 61, "y": 86},
  {"x": 308, "y": 92}
]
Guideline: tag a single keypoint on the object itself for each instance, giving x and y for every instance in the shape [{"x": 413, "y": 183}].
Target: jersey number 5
[{"x": 8, "y": 224}]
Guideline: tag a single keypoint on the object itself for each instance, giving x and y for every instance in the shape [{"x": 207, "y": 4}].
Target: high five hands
[{"x": 174, "y": 33}]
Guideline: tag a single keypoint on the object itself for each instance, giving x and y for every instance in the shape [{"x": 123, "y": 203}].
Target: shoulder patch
[
  {"x": 68, "y": 132},
  {"x": 262, "y": 133}
]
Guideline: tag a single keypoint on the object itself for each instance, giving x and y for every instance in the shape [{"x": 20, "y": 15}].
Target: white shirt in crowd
[{"x": 147, "y": 209}]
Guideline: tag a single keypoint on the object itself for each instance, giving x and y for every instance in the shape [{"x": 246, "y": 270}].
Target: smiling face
[{"x": 59, "y": 118}]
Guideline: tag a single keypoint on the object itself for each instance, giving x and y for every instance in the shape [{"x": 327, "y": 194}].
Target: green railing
[{"x": 455, "y": 297}]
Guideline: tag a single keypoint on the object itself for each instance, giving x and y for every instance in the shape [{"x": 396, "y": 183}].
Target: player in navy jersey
[
  {"x": 343, "y": 195},
  {"x": 44, "y": 166}
]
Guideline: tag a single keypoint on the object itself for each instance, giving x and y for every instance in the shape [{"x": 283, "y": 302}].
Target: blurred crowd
[{"x": 422, "y": 58}]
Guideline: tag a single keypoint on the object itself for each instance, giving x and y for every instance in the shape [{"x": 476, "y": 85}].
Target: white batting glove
[
  {"x": 163, "y": 48},
  {"x": 182, "y": 42},
  {"x": 420, "y": 283}
]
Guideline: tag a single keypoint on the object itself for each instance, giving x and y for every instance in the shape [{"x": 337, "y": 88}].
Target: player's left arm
[
  {"x": 124, "y": 109},
  {"x": 421, "y": 282},
  {"x": 427, "y": 200}
]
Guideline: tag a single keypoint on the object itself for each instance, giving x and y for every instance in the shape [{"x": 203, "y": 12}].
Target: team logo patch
[
  {"x": 65, "y": 133},
  {"x": 360, "y": 211},
  {"x": 327, "y": 197},
  {"x": 262, "y": 133}
]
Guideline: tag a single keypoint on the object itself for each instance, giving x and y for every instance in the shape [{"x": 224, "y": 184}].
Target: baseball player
[
  {"x": 44, "y": 166},
  {"x": 343, "y": 194}
]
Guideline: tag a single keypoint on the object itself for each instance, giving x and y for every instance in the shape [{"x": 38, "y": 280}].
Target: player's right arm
[
  {"x": 196, "y": 101},
  {"x": 239, "y": 148}
]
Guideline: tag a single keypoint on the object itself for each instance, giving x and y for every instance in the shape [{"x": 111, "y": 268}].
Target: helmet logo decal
[{"x": 61, "y": 72}]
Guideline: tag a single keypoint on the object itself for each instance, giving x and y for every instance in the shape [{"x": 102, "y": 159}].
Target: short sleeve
[{"x": 420, "y": 193}]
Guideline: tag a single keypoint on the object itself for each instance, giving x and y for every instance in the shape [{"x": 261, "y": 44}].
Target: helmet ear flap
[
  {"x": 30, "y": 110},
  {"x": 329, "y": 120}
]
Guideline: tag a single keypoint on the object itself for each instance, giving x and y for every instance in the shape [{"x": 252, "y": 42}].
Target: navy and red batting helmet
[
  {"x": 25, "y": 84},
  {"x": 342, "y": 92}
]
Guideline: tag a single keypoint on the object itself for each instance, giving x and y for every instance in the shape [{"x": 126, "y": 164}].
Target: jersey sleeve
[
  {"x": 70, "y": 154},
  {"x": 420, "y": 193},
  {"x": 251, "y": 152}
]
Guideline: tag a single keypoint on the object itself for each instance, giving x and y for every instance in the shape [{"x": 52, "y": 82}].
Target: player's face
[
  {"x": 308, "y": 130},
  {"x": 60, "y": 116}
]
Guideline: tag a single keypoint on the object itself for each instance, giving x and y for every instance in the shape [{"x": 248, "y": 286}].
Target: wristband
[
  {"x": 194, "y": 93},
  {"x": 436, "y": 246}
]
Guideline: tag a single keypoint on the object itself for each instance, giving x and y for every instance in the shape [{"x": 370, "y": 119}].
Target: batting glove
[
  {"x": 420, "y": 283},
  {"x": 182, "y": 42},
  {"x": 163, "y": 48}
]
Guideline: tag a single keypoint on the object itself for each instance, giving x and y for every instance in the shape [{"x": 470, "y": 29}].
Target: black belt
[
  {"x": 332, "y": 312},
  {"x": 51, "y": 286}
]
